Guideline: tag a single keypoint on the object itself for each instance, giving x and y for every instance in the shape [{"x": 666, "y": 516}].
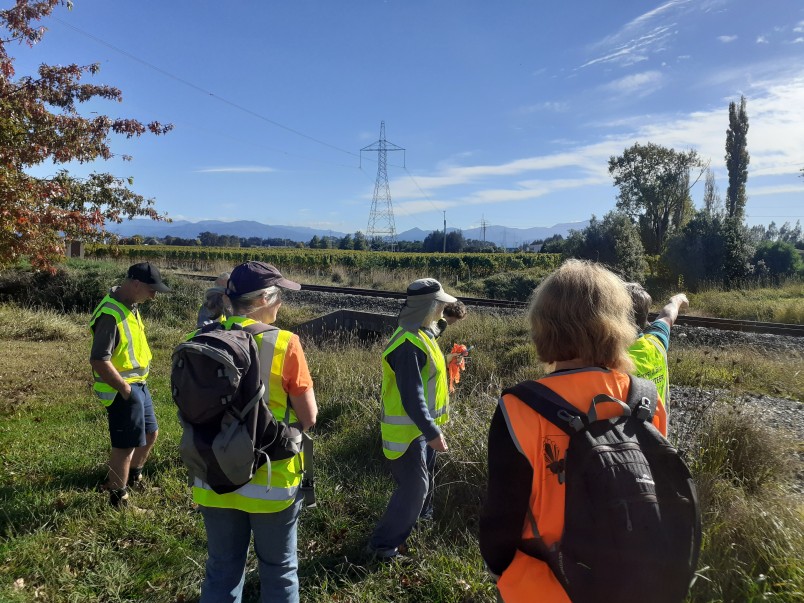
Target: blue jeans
[
  {"x": 228, "y": 535},
  {"x": 412, "y": 499}
]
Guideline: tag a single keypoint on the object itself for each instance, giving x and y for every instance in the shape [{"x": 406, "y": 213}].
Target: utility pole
[
  {"x": 483, "y": 225},
  {"x": 381, "y": 218},
  {"x": 444, "y": 249}
]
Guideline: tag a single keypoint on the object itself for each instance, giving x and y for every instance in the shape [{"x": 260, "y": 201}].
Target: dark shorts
[{"x": 129, "y": 421}]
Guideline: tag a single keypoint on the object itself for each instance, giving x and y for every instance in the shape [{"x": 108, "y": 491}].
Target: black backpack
[
  {"x": 228, "y": 430},
  {"x": 632, "y": 525}
]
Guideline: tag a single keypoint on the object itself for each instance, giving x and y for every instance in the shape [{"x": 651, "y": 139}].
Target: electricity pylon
[{"x": 381, "y": 218}]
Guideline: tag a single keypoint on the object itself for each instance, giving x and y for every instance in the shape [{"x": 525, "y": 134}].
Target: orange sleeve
[
  {"x": 296, "y": 377},
  {"x": 660, "y": 418}
]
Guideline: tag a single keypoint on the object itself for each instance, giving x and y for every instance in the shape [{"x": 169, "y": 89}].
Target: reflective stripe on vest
[
  {"x": 132, "y": 356},
  {"x": 398, "y": 429},
  {"x": 256, "y": 496}
]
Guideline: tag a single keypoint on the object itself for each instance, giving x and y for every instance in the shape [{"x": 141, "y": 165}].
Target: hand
[
  {"x": 681, "y": 301},
  {"x": 438, "y": 443},
  {"x": 134, "y": 395}
]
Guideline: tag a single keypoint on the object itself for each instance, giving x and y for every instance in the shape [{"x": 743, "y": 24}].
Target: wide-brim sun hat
[{"x": 428, "y": 289}]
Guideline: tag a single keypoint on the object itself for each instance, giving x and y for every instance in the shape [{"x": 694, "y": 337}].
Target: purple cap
[
  {"x": 253, "y": 276},
  {"x": 147, "y": 273}
]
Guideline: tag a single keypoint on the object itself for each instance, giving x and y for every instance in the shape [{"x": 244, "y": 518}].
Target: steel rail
[{"x": 724, "y": 324}]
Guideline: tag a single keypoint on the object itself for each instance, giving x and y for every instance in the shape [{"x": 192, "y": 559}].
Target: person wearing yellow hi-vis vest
[
  {"x": 649, "y": 350},
  {"x": 267, "y": 507},
  {"x": 415, "y": 404},
  {"x": 120, "y": 360}
]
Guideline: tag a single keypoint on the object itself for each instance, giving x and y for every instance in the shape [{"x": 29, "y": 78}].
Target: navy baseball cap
[
  {"x": 253, "y": 276},
  {"x": 147, "y": 273}
]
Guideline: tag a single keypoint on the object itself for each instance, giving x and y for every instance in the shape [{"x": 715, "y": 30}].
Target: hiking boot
[
  {"x": 137, "y": 484},
  {"x": 135, "y": 480},
  {"x": 118, "y": 498}
]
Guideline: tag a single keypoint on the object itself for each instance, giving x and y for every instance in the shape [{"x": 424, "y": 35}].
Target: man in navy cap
[{"x": 120, "y": 358}]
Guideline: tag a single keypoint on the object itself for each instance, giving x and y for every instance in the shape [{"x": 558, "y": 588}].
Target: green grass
[
  {"x": 60, "y": 542},
  {"x": 764, "y": 304}
]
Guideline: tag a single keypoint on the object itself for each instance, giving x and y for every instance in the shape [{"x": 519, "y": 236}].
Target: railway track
[{"x": 725, "y": 324}]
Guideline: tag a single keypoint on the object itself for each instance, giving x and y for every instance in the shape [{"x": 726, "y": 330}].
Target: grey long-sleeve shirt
[{"x": 407, "y": 362}]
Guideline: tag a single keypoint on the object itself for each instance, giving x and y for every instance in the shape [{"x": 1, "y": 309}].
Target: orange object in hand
[{"x": 457, "y": 364}]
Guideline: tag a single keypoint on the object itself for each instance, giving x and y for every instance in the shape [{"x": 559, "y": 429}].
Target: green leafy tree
[
  {"x": 434, "y": 242},
  {"x": 553, "y": 244},
  {"x": 710, "y": 249},
  {"x": 315, "y": 242},
  {"x": 712, "y": 201},
  {"x": 654, "y": 184},
  {"x": 40, "y": 123},
  {"x": 778, "y": 259},
  {"x": 614, "y": 242},
  {"x": 737, "y": 159},
  {"x": 346, "y": 242},
  {"x": 209, "y": 239},
  {"x": 359, "y": 242}
]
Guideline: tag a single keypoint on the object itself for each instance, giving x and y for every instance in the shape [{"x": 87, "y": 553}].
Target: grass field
[{"x": 60, "y": 542}]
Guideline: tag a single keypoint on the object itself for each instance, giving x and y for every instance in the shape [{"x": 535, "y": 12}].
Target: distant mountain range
[
  {"x": 499, "y": 235},
  {"x": 503, "y": 236}
]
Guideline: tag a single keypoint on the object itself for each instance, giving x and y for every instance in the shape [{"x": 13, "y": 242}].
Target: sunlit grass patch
[
  {"x": 738, "y": 369},
  {"x": 777, "y": 304},
  {"x": 19, "y": 323}
]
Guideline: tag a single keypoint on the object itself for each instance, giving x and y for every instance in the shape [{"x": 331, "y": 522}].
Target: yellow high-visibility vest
[
  {"x": 132, "y": 356},
  {"x": 650, "y": 360},
  {"x": 398, "y": 429},
  {"x": 257, "y": 496}
]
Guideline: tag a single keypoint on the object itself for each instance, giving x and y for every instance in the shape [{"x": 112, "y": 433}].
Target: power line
[{"x": 202, "y": 90}]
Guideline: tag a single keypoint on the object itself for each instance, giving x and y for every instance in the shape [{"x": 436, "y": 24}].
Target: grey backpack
[{"x": 228, "y": 430}]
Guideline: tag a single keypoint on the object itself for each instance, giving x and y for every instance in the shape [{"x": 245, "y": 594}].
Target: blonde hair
[{"x": 583, "y": 311}]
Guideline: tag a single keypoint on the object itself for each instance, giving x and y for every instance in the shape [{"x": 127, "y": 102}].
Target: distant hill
[
  {"x": 503, "y": 236},
  {"x": 240, "y": 228},
  {"x": 499, "y": 235}
]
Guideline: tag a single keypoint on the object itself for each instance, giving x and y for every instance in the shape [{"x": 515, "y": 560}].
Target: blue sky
[{"x": 508, "y": 111}]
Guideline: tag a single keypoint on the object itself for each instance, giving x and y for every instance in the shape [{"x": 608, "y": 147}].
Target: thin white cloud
[
  {"x": 762, "y": 40},
  {"x": 638, "y": 84},
  {"x": 237, "y": 169},
  {"x": 799, "y": 28},
  {"x": 554, "y": 106},
  {"x": 775, "y": 143},
  {"x": 798, "y": 40},
  {"x": 726, "y": 39},
  {"x": 645, "y": 35},
  {"x": 782, "y": 189}
]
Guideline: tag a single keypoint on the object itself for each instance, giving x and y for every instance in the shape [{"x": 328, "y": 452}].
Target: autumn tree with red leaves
[{"x": 39, "y": 122}]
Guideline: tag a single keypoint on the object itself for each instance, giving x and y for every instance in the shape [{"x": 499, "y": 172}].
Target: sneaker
[{"x": 385, "y": 555}]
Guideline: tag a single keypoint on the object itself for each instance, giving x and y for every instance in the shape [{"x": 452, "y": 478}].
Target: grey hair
[{"x": 247, "y": 302}]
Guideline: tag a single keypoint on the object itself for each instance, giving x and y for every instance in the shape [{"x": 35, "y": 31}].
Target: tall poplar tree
[{"x": 737, "y": 159}]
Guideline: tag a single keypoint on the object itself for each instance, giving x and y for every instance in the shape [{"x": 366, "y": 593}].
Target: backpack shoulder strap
[
  {"x": 258, "y": 328},
  {"x": 549, "y": 405},
  {"x": 642, "y": 398}
]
